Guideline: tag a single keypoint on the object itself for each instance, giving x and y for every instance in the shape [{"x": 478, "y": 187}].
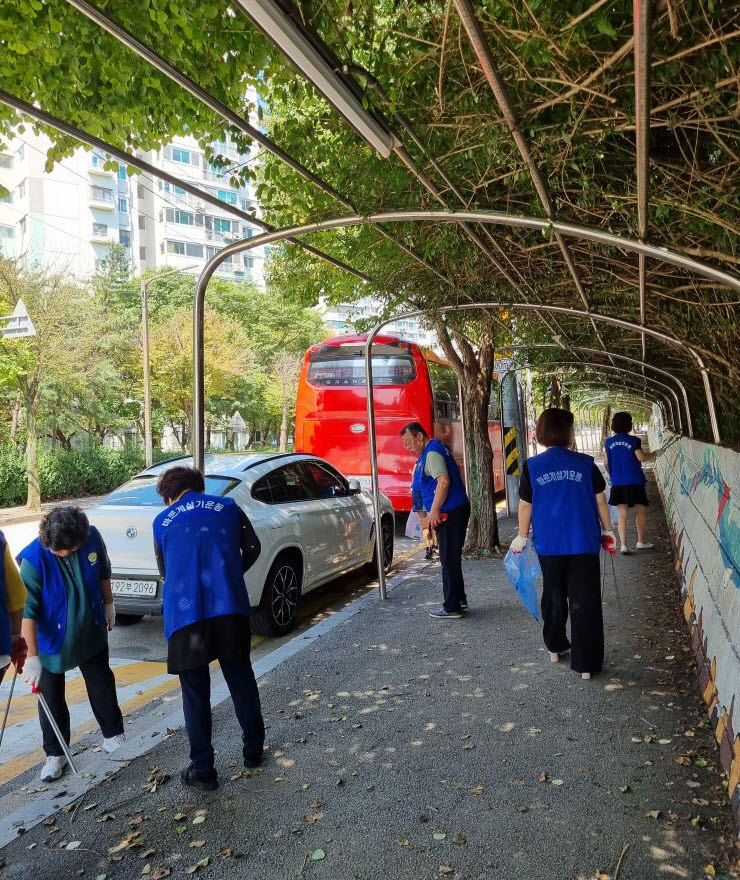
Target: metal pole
[
  {"x": 57, "y": 732},
  {"x": 642, "y": 16},
  {"x": 510, "y": 423},
  {"x": 148, "y": 453},
  {"x": 7, "y": 707},
  {"x": 374, "y": 461}
]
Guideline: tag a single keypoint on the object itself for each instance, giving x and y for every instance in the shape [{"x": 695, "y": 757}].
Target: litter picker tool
[
  {"x": 616, "y": 585},
  {"x": 7, "y": 707},
  {"x": 55, "y": 727}
]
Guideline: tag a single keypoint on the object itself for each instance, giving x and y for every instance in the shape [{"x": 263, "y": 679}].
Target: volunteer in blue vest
[
  {"x": 624, "y": 455},
  {"x": 204, "y": 544},
  {"x": 12, "y": 600},
  {"x": 438, "y": 479},
  {"x": 561, "y": 493},
  {"x": 69, "y": 613}
]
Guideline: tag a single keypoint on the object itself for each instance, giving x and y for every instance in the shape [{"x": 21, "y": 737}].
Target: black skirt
[{"x": 629, "y": 495}]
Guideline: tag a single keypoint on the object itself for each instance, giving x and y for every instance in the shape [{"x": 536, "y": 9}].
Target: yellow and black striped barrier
[{"x": 512, "y": 452}]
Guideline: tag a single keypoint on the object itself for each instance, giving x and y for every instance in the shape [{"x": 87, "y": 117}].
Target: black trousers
[
  {"x": 101, "y": 690},
  {"x": 196, "y": 704},
  {"x": 573, "y": 582},
  {"x": 450, "y": 538}
]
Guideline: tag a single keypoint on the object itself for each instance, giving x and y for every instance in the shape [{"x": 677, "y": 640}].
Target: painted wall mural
[{"x": 700, "y": 485}]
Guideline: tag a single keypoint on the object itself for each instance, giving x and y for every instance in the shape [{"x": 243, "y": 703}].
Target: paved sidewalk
[
  {"x": 12, "y": 515},
  {"x": 407, "y": 747}
]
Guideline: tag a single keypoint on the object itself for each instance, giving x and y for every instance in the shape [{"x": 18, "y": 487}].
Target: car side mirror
[{"x": 354, "y": 487}]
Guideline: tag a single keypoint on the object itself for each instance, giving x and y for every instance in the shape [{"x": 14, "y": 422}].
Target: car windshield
[{"x": 142, "y": 491}]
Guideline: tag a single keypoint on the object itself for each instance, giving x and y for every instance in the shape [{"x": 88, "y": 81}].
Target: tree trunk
[
  {"x": 16, "y": 418},
  {"x": 555, "y": 392},
  {"x": 605, "y": 425},
  {"x": 483, "y": 528},
  {"x": 284, "y": 426},
  {"x": 33, "y": 495}
]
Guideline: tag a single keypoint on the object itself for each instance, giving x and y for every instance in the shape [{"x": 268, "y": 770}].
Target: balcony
[
  {"x": 100, "y": 234},
  {"x": 96, "y": 166},
  {"x": 102, "y": 197}
]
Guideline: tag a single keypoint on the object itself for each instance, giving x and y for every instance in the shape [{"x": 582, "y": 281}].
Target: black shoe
[
  {"x": 201, "y": 781},
  {"x": 464, "y": 605},
  {"x": 254, "y": 760},
  {"x": 429, "y": 553}
]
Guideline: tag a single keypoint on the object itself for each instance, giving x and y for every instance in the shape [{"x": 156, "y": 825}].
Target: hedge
[{"x": 92, "y": 470}]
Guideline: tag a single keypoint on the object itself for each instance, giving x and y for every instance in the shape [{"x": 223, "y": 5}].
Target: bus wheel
[
  {"x": 281, "y": 594},
  {"x": 386, "y": 532}
]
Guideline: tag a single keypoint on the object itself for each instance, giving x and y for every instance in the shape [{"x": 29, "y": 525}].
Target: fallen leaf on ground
[
  {"x": 159, "y": 873},
  {"x": 179, "y": 817},
  {"x": 445, "y": 870},
  {"x": 478, "y": 789},
  {"x": 196, "y": 844},
  {"x": 439, "y": 835},
  {"x": 317, "y": 855},
  {"x": 542, "y": 777},
  {"x": 199, "y": 820},
  {"x": 312, "y": 818},
  {"x": 664, "y": 742},
  {"x": 684, "y": 760},
  {"x": 653, "y": 814},
  {"x": 147, "y": 853},
  {"x": 625, "y": 789},
  {"x": 710, "y": 870},
  {"x": 203, "y": 863},
  {"x": 403, "y": 841},
  {"x": 556, "y": 781},
  {"x": 73, "y": 844},
  {"x": 133, "y": 838},
  {"x": 460, "y": 839}
]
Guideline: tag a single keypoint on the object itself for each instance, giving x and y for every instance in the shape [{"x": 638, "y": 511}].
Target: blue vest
[
  {"x": 565, "y": 518},
  {"x": 52, "y": 625},
  {"x": 6, "y": 639},
  {"x": 200, "y": 540},
  {"x": 624, "y": 466},
  {"x": 456, "y": 496}
]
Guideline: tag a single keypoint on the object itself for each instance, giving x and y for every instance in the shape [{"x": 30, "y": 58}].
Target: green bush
[{"x": 91, "y": 470}]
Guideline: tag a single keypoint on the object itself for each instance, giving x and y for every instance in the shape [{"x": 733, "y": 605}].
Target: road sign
[{"x": 19, "y": 324}]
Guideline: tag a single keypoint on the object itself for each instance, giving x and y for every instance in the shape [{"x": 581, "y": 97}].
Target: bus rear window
[{"x": 341, "y": 368}]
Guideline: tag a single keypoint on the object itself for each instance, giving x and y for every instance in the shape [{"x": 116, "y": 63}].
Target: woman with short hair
[
  {"x": 561, "y": 494},
  {"x": 623, "y": 462},
  {"x": 68, "y": 615}
]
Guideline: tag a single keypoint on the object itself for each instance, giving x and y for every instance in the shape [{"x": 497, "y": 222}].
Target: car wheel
[
  {"x": 128, "y": 619},
  {"x": 281, "y": 594},
  {"x": 386, "y": 532}
]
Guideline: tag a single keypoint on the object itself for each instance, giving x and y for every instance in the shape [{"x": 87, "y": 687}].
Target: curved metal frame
[
  {"x": 632, "y": 385},
  {"x": 622, "y": 357},
  {"x": 633, "y": 395},
  {"x": 485, "y": 217}
]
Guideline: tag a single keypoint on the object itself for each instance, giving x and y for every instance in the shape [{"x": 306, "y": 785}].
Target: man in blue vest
[
  {"x": 204, "y": 544},
  {"x": 438, "y": 479}
]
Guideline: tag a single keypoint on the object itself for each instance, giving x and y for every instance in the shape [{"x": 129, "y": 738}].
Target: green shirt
[
  {"x": 435, "y": 466},
  {"x": 84, "y": 637}
]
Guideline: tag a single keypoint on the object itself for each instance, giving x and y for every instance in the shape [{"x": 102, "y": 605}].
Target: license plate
[
  {"x": 121, "y": 587},
  {"x": 365, "y": 482}
]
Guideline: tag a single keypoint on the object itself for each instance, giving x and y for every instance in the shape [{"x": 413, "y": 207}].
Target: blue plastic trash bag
[{"x": 523, "y": 570}]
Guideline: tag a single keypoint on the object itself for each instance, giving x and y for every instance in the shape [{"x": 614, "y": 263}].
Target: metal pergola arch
[
  {"x": 653, "y": 384},
  {"x": 627, "y": 359}
]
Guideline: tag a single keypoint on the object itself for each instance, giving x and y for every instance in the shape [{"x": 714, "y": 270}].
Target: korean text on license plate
[{"x": 127, "y": 587}]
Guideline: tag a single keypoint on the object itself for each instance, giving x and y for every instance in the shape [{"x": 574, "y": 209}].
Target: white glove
[
  {"x": 32, "y": 672},
  {"x": 110, "y": 615},
  {"x": 518, "y": 544}
]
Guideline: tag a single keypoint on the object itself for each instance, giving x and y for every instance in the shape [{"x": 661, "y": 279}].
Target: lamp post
[{"x": 145, "y": 282}]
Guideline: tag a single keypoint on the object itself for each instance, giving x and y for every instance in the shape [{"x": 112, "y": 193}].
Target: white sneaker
[
  {"x": 625, "y": 550},
  {"x": 644, "y": 545},
  {"x": 53, "y": 768},
  {"x": 111, "y": 743},
  {"x": 586, "y": 676}
]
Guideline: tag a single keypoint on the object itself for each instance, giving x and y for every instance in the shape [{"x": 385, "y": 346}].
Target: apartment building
[
  {"x": 66, "y": 219},
  {"x": 343, "y": 319}
]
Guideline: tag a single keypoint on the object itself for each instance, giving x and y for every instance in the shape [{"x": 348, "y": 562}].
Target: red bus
[{"x": 410, "y": 384}]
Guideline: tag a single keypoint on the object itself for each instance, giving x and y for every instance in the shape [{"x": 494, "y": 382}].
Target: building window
[
  {"x": 168, "y": 187},
  {"x": 141, "y": 191},
  {"x": 183, "y": 156},
  {"x": 142, "y": 222},
  {"x": 142, "y": 253},
  {"x": 97, "y": 161},
  {"x": 176, "y": 247},
  {"x": 123, "y": 206},
  {"x": 124, "y": 237},
  {"x": 21, "y": 154},
  {"x": 100, "y": 230},
  {"x": 22, "y": 189},
  {"x": 194, "y": 250},
  {"x": 211, "y": 252},
  {"x": 6, "y": 161},
  {"x": 245, "y": 204},
  {"x": 101, "y": 194},
  {"x": 247, "y": 231},
  {"x": 249, "y": 262},
  {"x": 221, "y": 225},
  {"x": 7, "y": 233},
  {"x": 122, "y": 172},
  {"x": 184, "y": 217},
  {"x": 225, "y": 196}
]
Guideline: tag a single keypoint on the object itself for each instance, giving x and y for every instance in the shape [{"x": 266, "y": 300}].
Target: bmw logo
[{"x": 131, "y": 533}]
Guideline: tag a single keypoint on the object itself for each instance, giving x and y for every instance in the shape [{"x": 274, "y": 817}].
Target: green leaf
[{"x": 317, "y": 855}]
